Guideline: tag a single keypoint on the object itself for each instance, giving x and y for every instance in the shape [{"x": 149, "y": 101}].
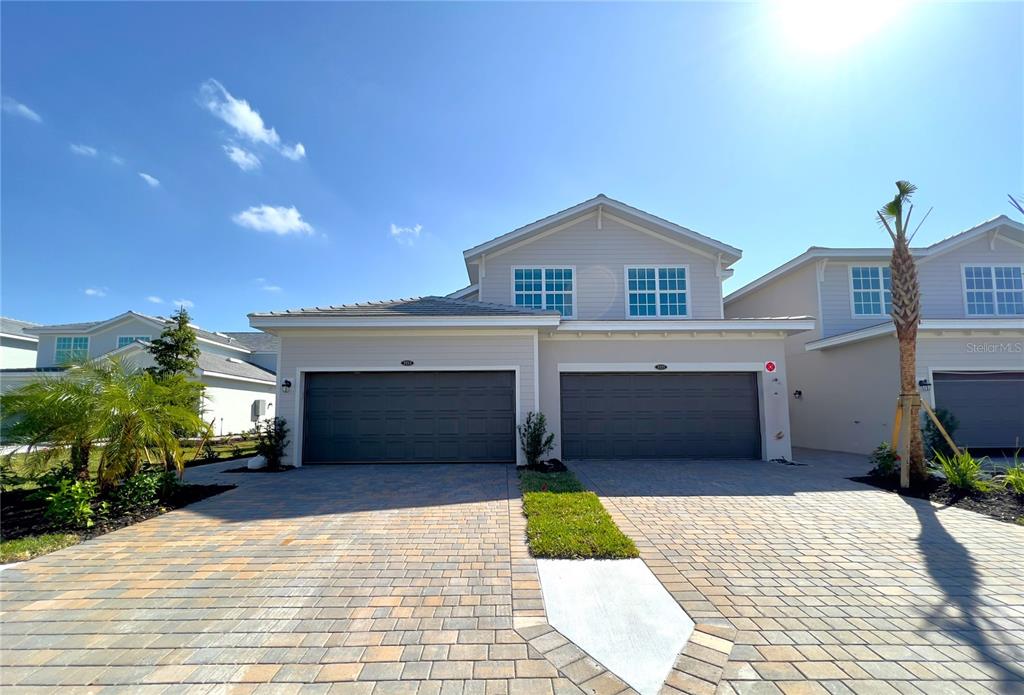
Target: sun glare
[{"x": 833, "y": 26}]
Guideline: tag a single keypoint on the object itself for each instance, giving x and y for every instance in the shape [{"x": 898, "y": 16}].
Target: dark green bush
[
  {"x": 534, "y": 438},
  {"x": 272, "y": 439},
  {"x": 885, "y": 461},
  {"x": 962, "y": 471},
  {"x": 934, "y": 442},
  {"x": 146, "y": 489}
]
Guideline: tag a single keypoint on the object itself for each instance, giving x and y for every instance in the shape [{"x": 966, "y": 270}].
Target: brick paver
[
  {"x": 349, "y": 579},
  {"x": 831, "y": 586}
]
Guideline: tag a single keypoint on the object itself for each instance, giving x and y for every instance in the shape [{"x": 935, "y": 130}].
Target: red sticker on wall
[{"x": 769, "y": 366}]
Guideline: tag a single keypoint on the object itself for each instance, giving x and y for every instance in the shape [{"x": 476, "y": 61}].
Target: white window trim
[
  {"x": 657, "y": 300},
  {"x": 543, "y": 287},
  {"x": 853, "y": 304},
  {"x": 57, "y": 338},
  {"x": 995, "y": 302},
  {"x": 133, "y": 339}
]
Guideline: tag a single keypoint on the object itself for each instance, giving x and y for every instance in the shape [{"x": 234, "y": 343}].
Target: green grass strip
[
  {"x": 565, "y": 521},
  {"x": 20, "y": 549}
]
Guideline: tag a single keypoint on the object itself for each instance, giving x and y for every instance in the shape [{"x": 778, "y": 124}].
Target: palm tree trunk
[
  {"x": 79, "y": 456},
  {"x": 908, "y": 389}
]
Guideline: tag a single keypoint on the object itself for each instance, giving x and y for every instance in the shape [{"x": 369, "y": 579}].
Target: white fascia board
[
  {"x": 404, "y": 322},
  {"x": 20, "y": 336},
  {"x": 459, "y": 294},
  {"x": 925, "y": 325},
  {"x": 232, "y": 377},
  {"x": 688, "y": 326},
  {"x": 592, "y": 204}
]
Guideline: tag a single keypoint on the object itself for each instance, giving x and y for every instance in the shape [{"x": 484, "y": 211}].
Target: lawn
[
  {"x": 564, "y": 520},
  {"x": 20, "y": 549}
]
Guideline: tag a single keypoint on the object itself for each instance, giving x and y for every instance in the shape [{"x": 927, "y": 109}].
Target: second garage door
[
  {"x": 357, "y": 417},
  {"x": 660, "y": 415},
  {"x": 989, "y": 406}
]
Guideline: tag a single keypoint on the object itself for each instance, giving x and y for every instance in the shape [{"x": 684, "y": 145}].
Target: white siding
[
  {"x": 15, "y": 353},
  {"x": 793, "y": 294},
  {"x": 311, "y": 351},
  {"x": 228, "y": 404},
  {"x": 942, "y": 295},
  {"x": 600, "y": 257},
  {"x": 672, "y": 349}
]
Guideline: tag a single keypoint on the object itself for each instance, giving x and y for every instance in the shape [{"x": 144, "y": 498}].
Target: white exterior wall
[
  {"x": 312, "y": 350},
  {"x": 681, "y": 353},
  {"x": 600, "y": 257},
  {"x": 16, "y": 353},
  {"x": 228, "y": 403},
  {"x": 941, "y": 277}
]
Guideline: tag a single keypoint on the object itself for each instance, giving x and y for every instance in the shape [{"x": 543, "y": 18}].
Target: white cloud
[
  {"x": 96, "y": 291},
  {"x": 151, "y": 180},
  {"x": 185, "y": 303},
  {"x": 246, "y": 160},
  {"x": 154, "y": 299},
  {"x": 266, "y": 286},
  {"x": 245, "y": 120},
  {"x": 279, "y": 220},
  {"x": 18, "y": 109},
  {"x": 84, "y": 150},
  {"x": 116, "y": 160},
  {"x": 406, "y": 236}
]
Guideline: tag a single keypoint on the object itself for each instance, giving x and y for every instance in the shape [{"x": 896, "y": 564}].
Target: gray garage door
[
  {"x": 409, "y": 417},
  {"x": 989, "y": 406},
  {"x": 676, "y": 415}
]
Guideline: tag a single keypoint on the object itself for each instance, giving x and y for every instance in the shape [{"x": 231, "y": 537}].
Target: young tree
[
  {"x": 906, "y": 315},
  {"x": 176, "y": 351}
]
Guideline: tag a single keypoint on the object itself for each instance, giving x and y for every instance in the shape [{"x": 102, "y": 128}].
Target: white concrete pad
[{"x": 619, "y": 613}]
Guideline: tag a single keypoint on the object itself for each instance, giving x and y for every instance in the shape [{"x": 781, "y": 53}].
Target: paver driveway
[
  {"x": 833, "y": 586},
  {"x": 394, "y": 579}
]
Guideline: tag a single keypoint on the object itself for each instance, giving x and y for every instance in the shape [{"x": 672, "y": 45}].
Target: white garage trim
[
  {"x": 300, "y": 393},
  {"x": 669, "y": 367}
]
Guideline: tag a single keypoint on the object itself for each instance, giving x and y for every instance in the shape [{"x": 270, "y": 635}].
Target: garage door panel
[
  {"x": 989, "y": 406},
  {"x": 665, "y": 415},
  {"x": 409, "y": 416}
]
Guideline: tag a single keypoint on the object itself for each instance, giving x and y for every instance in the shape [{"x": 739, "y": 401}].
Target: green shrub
[
  {"x": 209, "y": 453},
  {"x": 933, "y": 440},
  {"x": 885, "y": 461},
  {"x": 272, "y": 438},
  {"x": 962, "y": 471},
  {"x": 145, "y": 489},
  {"x": 70, "y": 504},
  {"x": 534, "y": 438},
  {"x": 1014, "y": 477}
]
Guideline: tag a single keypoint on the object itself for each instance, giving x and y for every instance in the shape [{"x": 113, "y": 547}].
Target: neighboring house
[
  {"x": 603, "y": 317},
  {"x": 237, "y": 369},
  {"x": 17, "y": 348},
  {"x": 844, "y": 376}
]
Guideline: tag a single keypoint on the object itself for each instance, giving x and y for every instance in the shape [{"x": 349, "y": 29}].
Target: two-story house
[
  {"x": 605, "y": 318},
  {"x": 844, "y": 375},
  {"x": 238, "y": 368},
  {"x": 17, "y": 348}
]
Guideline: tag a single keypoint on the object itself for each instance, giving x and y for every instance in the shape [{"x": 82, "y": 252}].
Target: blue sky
[{"x": 449, "y": 124}]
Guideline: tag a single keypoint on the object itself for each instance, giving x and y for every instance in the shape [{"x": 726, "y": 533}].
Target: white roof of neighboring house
[
  {"x": 730, "y": 254},
  {"x": 14, "y": 328},
  {"x": 824, "y": 252}
]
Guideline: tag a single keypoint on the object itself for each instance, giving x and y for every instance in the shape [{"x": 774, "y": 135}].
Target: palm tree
[
  {"x": 138, "y": 419},
  {"x": 906, "y": 315},
  {"x": 52, "y": 417}
]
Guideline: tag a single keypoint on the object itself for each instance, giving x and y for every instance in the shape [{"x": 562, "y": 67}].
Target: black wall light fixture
[
  {"x": 285, "y": 385},
  {"x": 924, "y": 384},
  {"x": 798, "y": 394}
]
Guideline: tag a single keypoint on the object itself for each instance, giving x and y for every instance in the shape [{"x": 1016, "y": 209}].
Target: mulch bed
[
  {"x": 20, "y": 515},
  {"x": 998, "y": 503},
  {"x": 549, "y": 466}
]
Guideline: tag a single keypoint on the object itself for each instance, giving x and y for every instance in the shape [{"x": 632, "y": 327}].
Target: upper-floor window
[
  {"x": 123, "y": 340},
  {"x": 71, "y": 349},
  {"x": 872, "y": 290},
  {"x": 654, "y": 291},
  {"x": 545, "y": 288},
  {"x": 994, "y": 290}
]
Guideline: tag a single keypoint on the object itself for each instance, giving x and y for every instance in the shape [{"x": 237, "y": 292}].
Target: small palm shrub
[
  {"x": 534, "y": 438},
  {"x": 962, "y": 471},
  {"x": 885, "y": 461},
  {"x": 934, "y": 442},
  {"x": 146, "y": 489}
]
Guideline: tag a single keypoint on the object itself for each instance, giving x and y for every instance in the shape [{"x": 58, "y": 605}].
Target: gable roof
[
  {"x": 159, "y": 321},
  {"x": 211, "y": 364},
  {"x": 257, "y": 341},
  {"x": 829, "y": 253},
  {"x": 601, "y": 201},
  {"x": 16, "y": 329},
  {"x": 422, "y": 311}
]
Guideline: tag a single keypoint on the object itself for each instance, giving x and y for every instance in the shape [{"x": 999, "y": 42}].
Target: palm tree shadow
[{"x": 952, "y": 568}]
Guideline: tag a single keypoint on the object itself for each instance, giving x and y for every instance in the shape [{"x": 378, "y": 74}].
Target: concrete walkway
[{"x": 832, "y": 586}]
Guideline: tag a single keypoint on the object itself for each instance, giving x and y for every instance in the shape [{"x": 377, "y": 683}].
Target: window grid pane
[
  {"x": 872, "y": 290},
  {"x": 1009, "y": 285},
  {"x": 71, "y": 349},
  {"x": 656, "y": 291}
]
